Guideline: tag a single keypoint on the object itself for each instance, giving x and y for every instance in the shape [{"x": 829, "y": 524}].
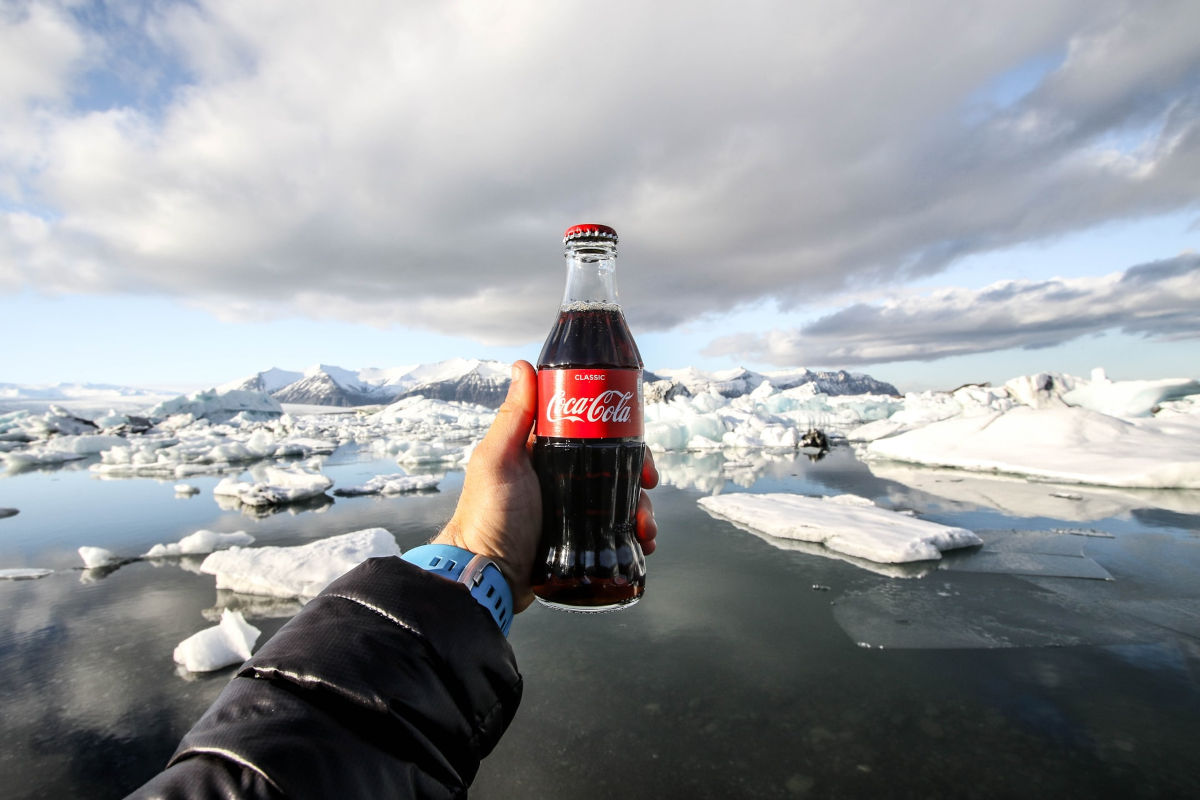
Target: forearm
[{"x": 393, "y": 682}]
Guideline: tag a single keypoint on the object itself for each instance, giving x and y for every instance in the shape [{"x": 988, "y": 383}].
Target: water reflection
[
  {"x": 746, "y": 675},
  {"x": 253, "y": 606},
  {"x": 317, "y": 505},
  {"x": 1020, "y": 497}
]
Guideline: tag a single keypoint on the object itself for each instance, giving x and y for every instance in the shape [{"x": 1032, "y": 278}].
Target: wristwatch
[{"x": 479, "y": 573}]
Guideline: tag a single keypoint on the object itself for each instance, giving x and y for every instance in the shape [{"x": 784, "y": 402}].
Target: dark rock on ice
[
  {"x": 131, "y": 426},
  {"x": 814, "y": 439},
  {"x": 664, "y": 391}
]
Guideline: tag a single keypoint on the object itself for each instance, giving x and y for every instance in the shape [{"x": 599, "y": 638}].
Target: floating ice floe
[
  {"x": 1066, "y": 445},
  {"x": 278, "y": 486},
  {"x": 200, "y": 448},
  {"x": 60, "y": 449},
  {"x": 23, "y": 573},
  {"x": 229, "y": 642},
  {"x": 186, "y": 489},
  {"x": 848, "y": 524},
  {"x": 96, "y": 557},
  {"x": 201, "y": 542},
  {"x": 391, "y": 484},
  {"x": 1018, "y": 496},
  {"x": 301, "y": 571}
]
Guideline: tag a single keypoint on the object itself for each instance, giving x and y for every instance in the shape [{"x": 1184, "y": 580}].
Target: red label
[{"x": 589, "y": 403}]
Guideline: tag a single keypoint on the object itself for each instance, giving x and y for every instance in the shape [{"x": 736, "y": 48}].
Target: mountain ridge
[
  {"x": 486, "y": 383},
  {"x": 483, "y": 382}
]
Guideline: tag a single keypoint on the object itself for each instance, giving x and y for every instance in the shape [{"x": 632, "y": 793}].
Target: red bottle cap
[{"x": 589, "y": 230}]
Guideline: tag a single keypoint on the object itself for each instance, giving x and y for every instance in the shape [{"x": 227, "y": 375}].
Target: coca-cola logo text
[
  {"x": 589, "y": 403},
  {"x": 610, "y": 406}
]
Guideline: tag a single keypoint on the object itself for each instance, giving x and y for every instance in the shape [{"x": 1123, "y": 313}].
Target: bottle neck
[{"x": 591, "y": 273}]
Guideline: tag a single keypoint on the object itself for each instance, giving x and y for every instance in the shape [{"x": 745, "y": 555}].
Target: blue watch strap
[{"x": 479, "y": 573}]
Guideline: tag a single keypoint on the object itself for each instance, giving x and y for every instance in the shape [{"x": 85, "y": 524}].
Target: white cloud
[
  {"x": 415, "y": 162},
  {"x": 1157, "y": 300}
]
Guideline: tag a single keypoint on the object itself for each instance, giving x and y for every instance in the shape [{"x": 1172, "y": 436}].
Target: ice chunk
[
  {"x": 200, "y": 542},
  {"x": 279, "y": 487},
  {"x": 1128, "y": 398},
  {"x": 220, "y": 406},
  {"x": 847, "y": 524},
  {"x": 229, "y": 642},
  {"x": 1071, "y": 445},
  {"x": 433, "y": 452},
  {"x": 95, "y": 557},
  {"x": 186, "y": 489},
  {"x": 391, "y": 484},
  {"x": 1018, "y": 496},
  {"x": 301, "y": 571},
  {"x": 60, "y": 449},
  {"x": 23, "y": 573}
]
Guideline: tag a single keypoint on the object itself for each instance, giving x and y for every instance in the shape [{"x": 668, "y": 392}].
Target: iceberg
[
  {"x": 279, "y": 486},
  {"x": 71, "y": 447},
  {"x": 301, "y": 571},
  {"x": 96, "y": 557},
  {"x": 201, "y": 542},
  {"x": 847, "y": 524},
  {"x": 1065, "y": 445},
  {"x": 1128, "y": 398},
  {"x": 197, "y": 447},
  {"x": 1018, "y": 496},
  {"x": 23, "y": 573},
  {"x": 229, "y": 642},
  {"x": 218, "y": 406},
  {"x": 391, "y": 484}
]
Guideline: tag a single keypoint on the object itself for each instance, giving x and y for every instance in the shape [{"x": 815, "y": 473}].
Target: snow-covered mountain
[
  {"x": 467, "y": 380},
  {"x": 462, "y": 379},
  {"x": 269, "y": 381},
  {"x": 737, "y": 382},
  {"x": 486, "y": 383},
  {"x": 330, "y": 386}
]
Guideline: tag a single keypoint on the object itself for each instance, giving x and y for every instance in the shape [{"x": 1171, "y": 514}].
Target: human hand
[{"x": 499, "y": 514}]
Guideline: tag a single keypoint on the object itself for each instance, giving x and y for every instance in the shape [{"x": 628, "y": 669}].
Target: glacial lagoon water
[{"x": 752, "y": 668}]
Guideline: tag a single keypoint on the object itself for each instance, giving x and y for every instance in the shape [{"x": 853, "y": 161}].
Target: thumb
[{"x": 515, "y": 417}]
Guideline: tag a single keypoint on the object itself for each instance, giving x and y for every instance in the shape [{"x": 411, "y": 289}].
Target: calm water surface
[{"x": 750, "y": 669}]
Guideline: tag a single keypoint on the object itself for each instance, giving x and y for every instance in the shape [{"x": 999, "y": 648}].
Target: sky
[{"x": 933, "y": 193}]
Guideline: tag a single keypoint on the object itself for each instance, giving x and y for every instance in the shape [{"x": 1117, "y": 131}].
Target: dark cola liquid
[{"x": 589, "y": 558}]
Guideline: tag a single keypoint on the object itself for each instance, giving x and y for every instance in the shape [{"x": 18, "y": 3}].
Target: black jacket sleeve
[{"x": 393, "y": 682}]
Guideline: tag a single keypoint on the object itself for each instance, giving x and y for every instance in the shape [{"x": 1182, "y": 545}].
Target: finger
[
  {"x": 649, "y": 471},
  {"x": 645, "y": 526}
]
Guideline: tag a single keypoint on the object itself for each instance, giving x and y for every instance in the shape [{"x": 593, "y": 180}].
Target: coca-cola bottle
[{"x": 588, "y": 447}]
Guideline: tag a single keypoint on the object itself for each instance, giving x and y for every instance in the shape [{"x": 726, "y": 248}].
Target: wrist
[
  {"x": 481, "y": 575},
  {"x": 452, "y": 534}
]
